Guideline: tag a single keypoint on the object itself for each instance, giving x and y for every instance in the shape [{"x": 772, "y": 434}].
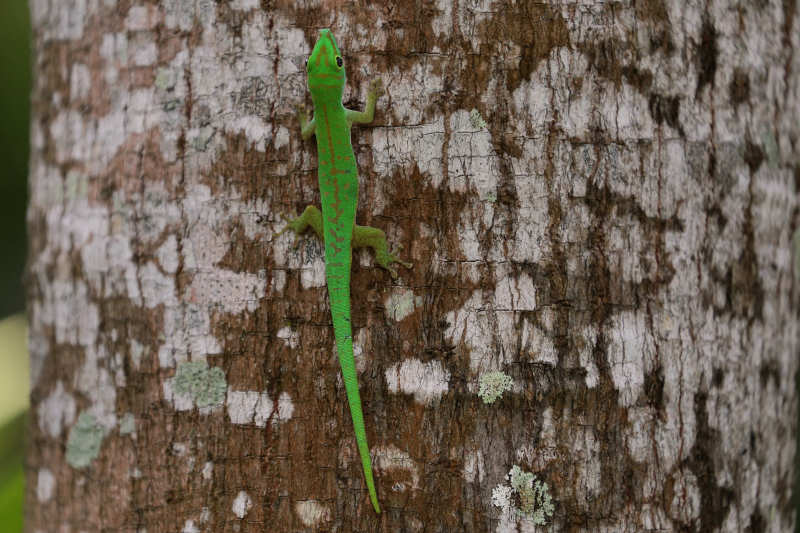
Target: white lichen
[
  {"x": 127, "y": 425},
  {"x": 476, "y": 120},
  {"x": 56, "y": 411},
  {"x": 141, "y": 18},
  {"x": 501, "y": 497},
  {"x": 426, "y": 381},
  {"x": 167, "y": 255},
  {"x": 263, "y": 410},
  {"x": 386, "y": 458},
  {"x": 311, "y": 512},
  {"x": 533, "y": 497},
  {"x": 241, "y": 406},
  {"x": 241, "y": 504},
  {"x": 254, "y": 407},
  {"x": 179, "y": 448},
  {"x": 285, "y": 407},
  {"x": 190, "y": 527},
  {"x": 233, "y": 292},
  {"x": 401, "y": 304},
  {"x": 478, "y": 328},
  {"x": 45, "y": 484},
  {"x": 493, "y": 385},
  {"x": 244, "y": 5},
  {"x": 289, "y": 337},
  {"x": 208, "y": 470}
]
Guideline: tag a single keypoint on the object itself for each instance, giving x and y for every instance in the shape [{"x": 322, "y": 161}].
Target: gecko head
[{"x": 325, "y": 68}]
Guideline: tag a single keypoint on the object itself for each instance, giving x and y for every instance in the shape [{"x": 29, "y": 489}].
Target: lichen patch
[
  {"x": 285, "y": 406},
  {"x": 253, "y": 407},
  {"x": 390, "y": 457},
  {"x": 525, "y": 497},
  {"x": 241, "y": 504},
  {"x": 190, "y": 527},
  {"x": 401, "y": 304},
  {"x": 492, "y": 385},
  {"x": 127, "y": 425},
  {"x": 311, "y": 512},
  {"x": 199, "y": 384},
  {"x": 85, "y": 438},
  {"x": 427, "y": 382},
  {"x": 288, "y": 336},
  {"x": 56, "y": 411},
  {"x": 45, "y": 485},
  {"x": 234, "y": 292}
]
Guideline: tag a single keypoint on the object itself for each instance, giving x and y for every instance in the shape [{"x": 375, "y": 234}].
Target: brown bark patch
[
  {"x": 655, "y": 13},
  {"x": 757, "y": 523},
  {"x": 536, "y": 28},
  {"x": 714, "y": 499},
  {"x": 753, "y": 156},
  {"x": 666, "y": 109},
  {"x": 740, "y": 87},
  {"x": 706, "y": 59},
  {"x": 654, "y": 388},
  {"x": 604, "y": 57}
]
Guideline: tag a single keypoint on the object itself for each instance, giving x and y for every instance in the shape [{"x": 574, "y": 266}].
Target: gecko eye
[{"x": 339, "y": 61}]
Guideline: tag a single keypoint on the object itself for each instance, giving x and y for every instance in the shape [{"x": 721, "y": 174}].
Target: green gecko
[{"x": 335, "y": 224}]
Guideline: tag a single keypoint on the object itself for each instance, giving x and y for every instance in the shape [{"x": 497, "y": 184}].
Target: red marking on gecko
[
  {"x": 336, "y": 204},
  {"x": 323, "y": 51}
]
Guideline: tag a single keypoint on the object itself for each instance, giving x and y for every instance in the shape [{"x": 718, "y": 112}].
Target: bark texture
[{"x": 613, "y": 226}]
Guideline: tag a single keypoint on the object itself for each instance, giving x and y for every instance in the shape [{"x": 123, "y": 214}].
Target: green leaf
[{"x": 12, "y": 477}]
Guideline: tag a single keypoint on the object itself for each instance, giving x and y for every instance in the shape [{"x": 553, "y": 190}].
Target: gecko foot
[
  {"x": 376, "y": 87},
  {"x": 301, "y": 113},
  {"x": 311, "y": 217},
  {"x": 375, "y": 238},
  {"x": 395, "y": 259}
]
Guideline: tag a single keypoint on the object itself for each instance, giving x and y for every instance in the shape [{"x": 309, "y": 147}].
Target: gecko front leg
[
  {"x": 311, "y": 216},
  {"x": 366, "y": 116},
  {"x": 307, "y": 127}
]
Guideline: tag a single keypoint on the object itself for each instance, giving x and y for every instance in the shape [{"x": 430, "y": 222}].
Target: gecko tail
[{"x": 340, "y": 310}]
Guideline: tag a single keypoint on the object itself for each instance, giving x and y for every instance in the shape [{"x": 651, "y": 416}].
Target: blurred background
[{"x": 15, "y": 66}]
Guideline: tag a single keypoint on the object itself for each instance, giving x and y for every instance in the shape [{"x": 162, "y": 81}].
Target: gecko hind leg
[
  {"x": 375, "y": 238},
  {"x": 311, "y": 217}
]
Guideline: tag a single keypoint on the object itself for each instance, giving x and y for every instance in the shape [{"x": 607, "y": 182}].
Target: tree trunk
[{"x": 600, "y": 200}]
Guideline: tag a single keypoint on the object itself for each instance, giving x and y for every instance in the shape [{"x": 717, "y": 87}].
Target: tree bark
[{"x": 600, "y": 200}]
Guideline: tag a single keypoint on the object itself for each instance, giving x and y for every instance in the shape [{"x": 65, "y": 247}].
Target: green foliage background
[{"x": 15, "y": 68}]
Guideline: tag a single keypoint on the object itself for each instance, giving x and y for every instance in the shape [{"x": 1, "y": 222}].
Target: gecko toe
[{"x": 276, "y": 234}]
